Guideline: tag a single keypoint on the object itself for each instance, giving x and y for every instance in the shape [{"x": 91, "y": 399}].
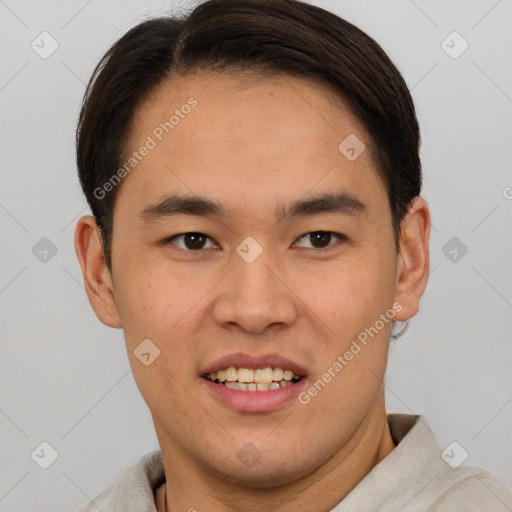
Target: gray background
[{"x": 65, "y": 378}]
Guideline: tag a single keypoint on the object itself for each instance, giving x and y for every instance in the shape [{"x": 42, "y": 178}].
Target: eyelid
[
  {"x": 171, "y": 239},
  {"x": 340, "y": 236}
]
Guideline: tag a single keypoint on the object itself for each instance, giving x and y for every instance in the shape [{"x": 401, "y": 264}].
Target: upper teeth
[{"x": 261, "y": 375}]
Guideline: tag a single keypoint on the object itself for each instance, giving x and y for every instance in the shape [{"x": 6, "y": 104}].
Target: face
[{"x": 254, "y": 273}]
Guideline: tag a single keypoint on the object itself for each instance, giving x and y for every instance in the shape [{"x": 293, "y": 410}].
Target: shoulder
[
  {"x": 133, "y": 491},
  {"x": 439, "y": 487},
  {"x": 415, "y": 477},
  {"x": 470, "y": 489}
]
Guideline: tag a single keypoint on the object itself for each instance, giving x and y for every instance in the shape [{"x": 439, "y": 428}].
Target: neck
[{"x": 319, "y": 491}]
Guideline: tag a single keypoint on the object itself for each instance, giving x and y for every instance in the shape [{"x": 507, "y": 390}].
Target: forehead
[
  {"x": 224, "y": 133},
  {"x": 245, "y": 106}
]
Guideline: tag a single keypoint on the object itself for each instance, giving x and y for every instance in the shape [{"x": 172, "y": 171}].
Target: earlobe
[
  {"x": 413, "y": 259},
  {"x": 97, "y": 278}
]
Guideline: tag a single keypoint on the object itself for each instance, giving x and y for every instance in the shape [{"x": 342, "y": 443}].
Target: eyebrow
[{"x": 342, "y": 203}]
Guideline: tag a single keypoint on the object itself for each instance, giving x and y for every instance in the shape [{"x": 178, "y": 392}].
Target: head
[{"x": 254, "y": 177}]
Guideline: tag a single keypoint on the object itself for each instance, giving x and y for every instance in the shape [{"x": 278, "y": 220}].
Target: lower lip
[{"x": 254, "y": 401}]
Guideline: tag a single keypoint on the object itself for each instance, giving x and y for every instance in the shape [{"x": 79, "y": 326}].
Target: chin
[
  {"x": 265, "y": 470},
  {"x": 264, "y": 477}
]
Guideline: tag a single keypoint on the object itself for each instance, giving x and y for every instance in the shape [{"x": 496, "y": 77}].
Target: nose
[{"x": 255, "y": 296}]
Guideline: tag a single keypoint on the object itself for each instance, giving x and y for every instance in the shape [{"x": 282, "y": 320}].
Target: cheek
[
  {"x": 151, "y": 303},
  {"x": 139, "y": 304},
  {"x": 152, "y": 297},
  {"x": 356, "y": 348},
  {"x": 352, "y": 294}
]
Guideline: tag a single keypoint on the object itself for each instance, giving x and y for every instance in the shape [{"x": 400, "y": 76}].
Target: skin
[{"x": 252, "y": 144}]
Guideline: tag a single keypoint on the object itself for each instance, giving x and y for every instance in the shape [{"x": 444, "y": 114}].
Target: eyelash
[{"x": 340, "y": 236}]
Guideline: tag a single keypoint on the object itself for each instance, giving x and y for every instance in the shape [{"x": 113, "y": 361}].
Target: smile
[{"x": 248, "y": 379}]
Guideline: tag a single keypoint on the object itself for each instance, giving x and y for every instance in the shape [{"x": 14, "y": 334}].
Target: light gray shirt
[{"x": 416, "y": 476}]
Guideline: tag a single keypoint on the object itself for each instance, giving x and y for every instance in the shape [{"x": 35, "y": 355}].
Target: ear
[
  {"x": 413, "y": 259},
  {"x": 97, "y": 278}
]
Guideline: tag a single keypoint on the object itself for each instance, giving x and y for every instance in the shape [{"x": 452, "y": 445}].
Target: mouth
[
  {"x": 250, "y": 379},
  {"x": 247, "y": 383}
]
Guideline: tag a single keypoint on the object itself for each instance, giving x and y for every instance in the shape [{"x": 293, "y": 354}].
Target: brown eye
[
  {"x": 320, "y": 239},
  {"x": 191, "y": 241}
]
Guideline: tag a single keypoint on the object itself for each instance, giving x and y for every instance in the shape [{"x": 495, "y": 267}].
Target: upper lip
[{"x": 241, "y": 360}]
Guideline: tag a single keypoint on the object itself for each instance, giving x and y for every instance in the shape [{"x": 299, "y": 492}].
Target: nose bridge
[
  {"x": 253, "y": 296},
  {"x": 254, "y": 280},
  {"x": 251, "y": 263}
]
